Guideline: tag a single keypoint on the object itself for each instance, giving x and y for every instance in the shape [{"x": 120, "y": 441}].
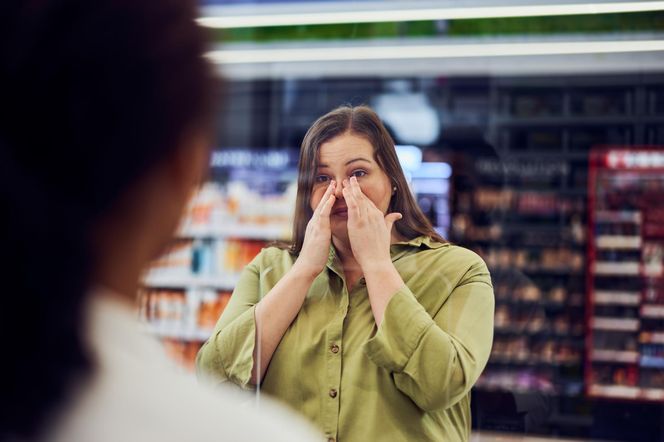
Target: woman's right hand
[{"x": 317, "y": 237}]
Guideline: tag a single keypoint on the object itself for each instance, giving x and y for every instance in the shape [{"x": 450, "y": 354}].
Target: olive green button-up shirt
[{"x": 407, "y": 380}]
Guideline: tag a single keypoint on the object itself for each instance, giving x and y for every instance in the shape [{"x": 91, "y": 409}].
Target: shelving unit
[
  {"x": 246, "y": 205},
  {"x": 166, "y": 280},
  {"x": 625, "y": 354},
  {"x": 238, "y": 230},
  {"x": 541, "y": 131},
  {"x": 540, "y": 136}
]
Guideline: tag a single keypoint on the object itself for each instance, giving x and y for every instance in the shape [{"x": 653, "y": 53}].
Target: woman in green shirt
[{"x": 369, "y": 323}]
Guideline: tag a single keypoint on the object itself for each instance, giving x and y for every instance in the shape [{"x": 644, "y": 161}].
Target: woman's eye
[
  {"x": 321, "y": 178},
  {"x": 358, "y": 173}
]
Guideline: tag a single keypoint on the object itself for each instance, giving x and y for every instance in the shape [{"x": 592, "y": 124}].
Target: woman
[
  {"x": 370, "y": 324},
  {"x": 107, "y": 110}
]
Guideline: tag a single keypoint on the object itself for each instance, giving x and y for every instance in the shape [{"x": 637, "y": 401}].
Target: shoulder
[
  {"x": 273, "y": 256},
  {"x": 168, "y": 408},
  {"x": 457, "y": 262},
  {"x": 449, "y": 252},
  {"x": 131, "y": 397}
]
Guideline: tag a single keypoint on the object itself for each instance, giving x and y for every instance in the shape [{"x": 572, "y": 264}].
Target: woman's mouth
[{"x": 341, "y": 212}]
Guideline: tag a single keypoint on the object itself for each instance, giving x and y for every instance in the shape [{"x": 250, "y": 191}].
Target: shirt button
[
  {"x": 334, "y": 348},
  {"x": 333, "y": 393}
]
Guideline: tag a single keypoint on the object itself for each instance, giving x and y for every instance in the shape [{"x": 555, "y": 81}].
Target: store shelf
[
  {"x": 532, "y": 362},
  {"x": 652, "y": 338},
  {"x": 617, "y": 298},
  {"x": 237, "y": 230},
  {"x": 564, "y": 271},
  {"x": 558, "y": 155},
  {"x": 548, "y": 305},
  {"x": 615, "y": 356},
  {"x": 629, "y": 268},
  {"x": 652, "y": 311},
  {"x": 652, "y": 362},
  {"x": 618, "y": 216},
  {"x": 559, "y": 271},
  {"x": 524, "y": 227},
  {"x": 618, "y": 242},
  {"x": 616, "y": 324},
  {"x": 179, "y": 334},
  {"x": 163, "y": 279},
  {"x": 615, "y": 391},
  {"x": 655, "y": 271},
  {"x": 623, "y": 391},
  {"x": 522, "y": 331},
  {"x": 655, "y": 394},
  {"x": 512, "y": 383}
]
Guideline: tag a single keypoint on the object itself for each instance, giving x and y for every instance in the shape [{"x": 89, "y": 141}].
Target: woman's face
[{"x": 340, "y": 158}]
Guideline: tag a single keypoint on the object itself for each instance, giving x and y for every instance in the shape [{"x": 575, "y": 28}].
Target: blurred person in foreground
[
  {"x": 369, "y": 322},
  {"x": 105, "y": 130}
]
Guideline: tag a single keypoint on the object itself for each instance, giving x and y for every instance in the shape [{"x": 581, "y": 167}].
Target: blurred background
[{"x": 531, "y": 132}]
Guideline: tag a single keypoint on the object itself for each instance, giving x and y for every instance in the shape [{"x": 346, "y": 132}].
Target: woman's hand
[
  {"x": 317, "y": 237},
  {"x": 369, "y": 231}
]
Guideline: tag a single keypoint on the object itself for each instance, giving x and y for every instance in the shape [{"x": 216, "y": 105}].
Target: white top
[{"x": 137, "y": 394}]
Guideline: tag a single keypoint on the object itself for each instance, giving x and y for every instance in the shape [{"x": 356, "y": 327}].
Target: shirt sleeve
[
  {"x": 228, "y": 353},
  {"x": 436, "y": 360}
]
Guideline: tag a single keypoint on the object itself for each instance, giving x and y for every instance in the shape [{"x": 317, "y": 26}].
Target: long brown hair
[{"x": 361, "y": 121}]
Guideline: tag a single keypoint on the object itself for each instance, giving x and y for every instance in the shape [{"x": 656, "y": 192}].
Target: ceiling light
[
  {"x": 376, "y": 15},
  {"x": 430, "y": 51}
]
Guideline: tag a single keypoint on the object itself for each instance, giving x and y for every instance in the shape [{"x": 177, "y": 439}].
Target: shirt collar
[{"x": 420, "y": 241}]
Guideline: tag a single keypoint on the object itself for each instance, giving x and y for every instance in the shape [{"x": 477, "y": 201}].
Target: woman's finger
[
  {"x": 391, "y": 218},
  {"x": 326, "y": 196},
  {"x": 327, "y": 207},
  {"x": 363, "y": 201},
  {"x": 357, "y": 190},
  {"x": 351, "y": 201}
]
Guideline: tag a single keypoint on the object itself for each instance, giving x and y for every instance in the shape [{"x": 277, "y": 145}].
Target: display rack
[
  {"x": 246, "y": 204},
  {"x": 532, "y": 242},
  {"x": 625, "y": 357},
  {"x": 524, "y": 210}
]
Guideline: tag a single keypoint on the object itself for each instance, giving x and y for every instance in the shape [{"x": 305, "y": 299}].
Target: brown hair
[{"x": 361, "y": 121}]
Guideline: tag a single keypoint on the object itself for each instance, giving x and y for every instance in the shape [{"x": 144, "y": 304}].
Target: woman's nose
[{"x": 338, "y": 191}]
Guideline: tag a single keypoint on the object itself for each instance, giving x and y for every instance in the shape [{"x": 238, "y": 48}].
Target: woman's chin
[{"x": 340, "y": 231}]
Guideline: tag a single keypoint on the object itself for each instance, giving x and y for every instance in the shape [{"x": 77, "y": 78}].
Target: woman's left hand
[{"x": 369, "y": 230}]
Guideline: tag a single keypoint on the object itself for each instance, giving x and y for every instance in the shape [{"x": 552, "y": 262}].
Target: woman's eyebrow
[
  {"x": 357, "y": 159},
  {"x": 320, "y": 166}
]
